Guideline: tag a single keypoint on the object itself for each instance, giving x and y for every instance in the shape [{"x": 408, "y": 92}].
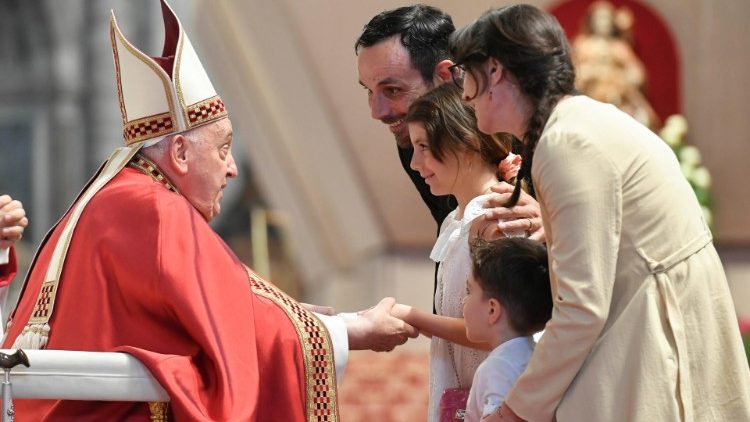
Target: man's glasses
[{"x": 458, "y": 71}]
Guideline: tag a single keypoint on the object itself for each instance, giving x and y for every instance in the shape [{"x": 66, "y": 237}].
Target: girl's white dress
[{"x": 451, "y": 250}]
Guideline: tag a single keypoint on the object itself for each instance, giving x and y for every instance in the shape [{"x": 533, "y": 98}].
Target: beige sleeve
[{"x": 579, "y": 190}]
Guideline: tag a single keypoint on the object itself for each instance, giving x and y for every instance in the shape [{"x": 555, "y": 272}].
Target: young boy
[{"x": 508, "y": 299}]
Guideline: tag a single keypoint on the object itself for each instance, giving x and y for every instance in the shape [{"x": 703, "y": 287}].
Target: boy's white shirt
[{"x": 496, "y": 375}]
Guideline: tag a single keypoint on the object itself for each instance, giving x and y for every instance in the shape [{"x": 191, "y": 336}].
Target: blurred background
[{"x": 322, "y": 206}]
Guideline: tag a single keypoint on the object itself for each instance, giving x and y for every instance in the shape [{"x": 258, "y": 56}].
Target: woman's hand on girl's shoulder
[{"x": 525, "y": 216}]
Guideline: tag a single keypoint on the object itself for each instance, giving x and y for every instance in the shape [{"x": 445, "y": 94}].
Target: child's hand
[{"x": 401, "y": 311}]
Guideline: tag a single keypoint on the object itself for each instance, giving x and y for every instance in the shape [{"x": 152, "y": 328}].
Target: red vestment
[
  {"x": 8, "y": 271},
  {"x": 146, "y": 275}
]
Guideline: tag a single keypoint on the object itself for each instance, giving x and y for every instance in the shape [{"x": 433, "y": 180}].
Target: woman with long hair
[{"x": 643, "y": 325}]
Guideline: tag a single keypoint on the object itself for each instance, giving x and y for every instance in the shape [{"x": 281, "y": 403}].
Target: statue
[{"x": 607, "y": 68}]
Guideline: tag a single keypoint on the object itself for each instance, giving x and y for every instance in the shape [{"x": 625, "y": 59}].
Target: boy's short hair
[{"x": 514, "y": 270}]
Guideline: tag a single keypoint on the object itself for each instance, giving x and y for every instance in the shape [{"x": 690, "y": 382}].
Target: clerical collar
[{"x": 146, "y": 166}]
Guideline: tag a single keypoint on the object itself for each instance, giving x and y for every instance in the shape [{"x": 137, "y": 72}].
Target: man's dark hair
[
  {"x": 424, "y": 30},
  {"x": 514, "y": 271}
]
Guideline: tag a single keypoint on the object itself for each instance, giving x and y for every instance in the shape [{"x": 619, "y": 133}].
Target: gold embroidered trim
[
  {"x": 44, "y": 303},
  {"x": 205, "y": 111},
  {"x": 147, "y": 128},
  {"x": 146, "y": 166},
  {"x": 320, "y": 370},
  {"x": 158, "y": 411},
  {"x": 116, "y": 55},
  {"x": 176, "y": 71}
]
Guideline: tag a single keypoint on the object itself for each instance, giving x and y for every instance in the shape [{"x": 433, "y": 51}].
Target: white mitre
[{"x": 161, "y": 96}]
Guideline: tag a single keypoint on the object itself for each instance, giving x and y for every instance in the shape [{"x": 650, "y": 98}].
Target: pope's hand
[
  {"x": 13, "y": 221},
  {"x": 376, "y": 329}
]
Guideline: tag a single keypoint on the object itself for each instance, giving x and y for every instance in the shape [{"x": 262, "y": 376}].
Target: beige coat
[{"x": 643, "y": 326}]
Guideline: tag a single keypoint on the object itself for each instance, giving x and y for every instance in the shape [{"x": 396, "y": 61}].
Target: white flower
[
  {"x": 690, "y": 155},
  {"x": 670, "y": 137},
  {"x": 674, "y": 130},
  {"x": 678, "y": 122},
  {"x": 701, "y": 177}
]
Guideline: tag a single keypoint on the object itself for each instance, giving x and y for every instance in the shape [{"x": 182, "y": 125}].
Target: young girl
[{"x": 454, "y": 158}]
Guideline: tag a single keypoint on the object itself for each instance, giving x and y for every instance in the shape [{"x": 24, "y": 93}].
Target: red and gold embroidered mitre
[{"x": 163, "y": 95}]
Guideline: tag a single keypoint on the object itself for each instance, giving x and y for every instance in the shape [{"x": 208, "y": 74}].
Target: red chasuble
[
  {"x": 146, "y": 275},
  {"x": 8, "y": 271}
]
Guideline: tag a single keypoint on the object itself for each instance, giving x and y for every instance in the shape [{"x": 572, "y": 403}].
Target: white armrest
[{"x": 71, "y": 375}]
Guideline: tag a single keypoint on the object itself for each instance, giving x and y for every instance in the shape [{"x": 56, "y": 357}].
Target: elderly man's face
[
  {"x": 392, "y": 84},
  {"x": 210, "y": 163}
]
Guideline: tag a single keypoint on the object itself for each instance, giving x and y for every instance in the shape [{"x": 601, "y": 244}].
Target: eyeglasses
[{"x": 458, "y": 71}]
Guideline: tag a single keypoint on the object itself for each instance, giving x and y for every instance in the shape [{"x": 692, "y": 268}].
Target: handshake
[{"x": 379, "y": 328}]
